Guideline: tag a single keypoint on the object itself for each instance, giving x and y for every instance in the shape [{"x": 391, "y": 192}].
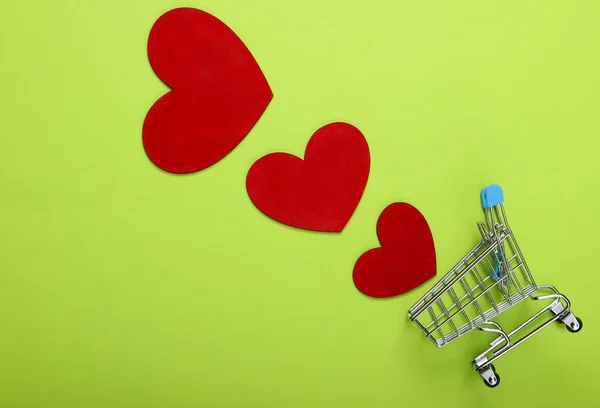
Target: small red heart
[
  {"x": 319, "y": 193},
  {"x": 406, "y": 258},
  {"x": 218, "y": 91}
]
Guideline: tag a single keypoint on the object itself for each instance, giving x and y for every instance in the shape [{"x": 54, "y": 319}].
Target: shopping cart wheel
[
  {"x": 497, "y": 381},
  {"x": 490, "y": 376},
  {"x": 576, "y": 329}
]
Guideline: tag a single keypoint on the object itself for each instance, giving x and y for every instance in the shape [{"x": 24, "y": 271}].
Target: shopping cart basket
[{"x": 488, "y": 281}]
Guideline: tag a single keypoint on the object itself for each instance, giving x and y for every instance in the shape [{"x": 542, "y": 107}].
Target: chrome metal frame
[{"x": 492, "y": 278}]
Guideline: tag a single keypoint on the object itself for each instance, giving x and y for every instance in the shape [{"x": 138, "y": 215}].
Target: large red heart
[
  {"x": 319, "y": 193},
  {"x": 406, "y": 258},
  {"x": 218, "y": 91}
]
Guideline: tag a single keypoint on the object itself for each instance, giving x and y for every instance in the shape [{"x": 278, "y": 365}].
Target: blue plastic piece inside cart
[
  {"x": 497, "y": 272},
  {"x": 491, "y": 196}
]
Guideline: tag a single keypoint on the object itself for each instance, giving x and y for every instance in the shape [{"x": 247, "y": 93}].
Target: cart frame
[{"x": 486, "y": 282}]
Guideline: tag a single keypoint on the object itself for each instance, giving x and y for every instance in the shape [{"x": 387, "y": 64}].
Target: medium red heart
[
  {"x": 218, "y": 91},
  {"x": 406, "y": 258},
  {"x": 319, "y": 193}
]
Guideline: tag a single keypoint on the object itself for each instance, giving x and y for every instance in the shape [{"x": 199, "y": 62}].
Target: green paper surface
[{"x": 122, "y": 286}]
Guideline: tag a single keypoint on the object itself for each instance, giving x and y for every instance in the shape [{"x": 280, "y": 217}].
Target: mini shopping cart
[{"x": 488, "y": 281}]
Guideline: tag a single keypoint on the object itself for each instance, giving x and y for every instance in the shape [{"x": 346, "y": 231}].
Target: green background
[{"x": 124, "y": 286}]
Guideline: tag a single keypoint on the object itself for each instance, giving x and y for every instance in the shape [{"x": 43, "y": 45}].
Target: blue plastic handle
[
  {"x": 483, "y": 199},
  {"x": 491, "y": 196}
]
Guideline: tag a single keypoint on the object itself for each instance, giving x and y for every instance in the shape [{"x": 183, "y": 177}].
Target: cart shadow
[{"x": 439, "y": 365}]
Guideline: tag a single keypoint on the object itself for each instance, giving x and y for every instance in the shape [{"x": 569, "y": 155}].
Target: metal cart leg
[
  {"x": 572, "y": 323},
  {"x": 482, "y": 363},
  {"x": 561, "y": 307}
]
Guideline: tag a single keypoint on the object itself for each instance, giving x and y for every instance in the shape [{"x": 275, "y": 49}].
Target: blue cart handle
[{"x": 491, "y": 196}]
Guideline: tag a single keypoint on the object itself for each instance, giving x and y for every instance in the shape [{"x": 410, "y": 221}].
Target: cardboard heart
[
  {"x": 218, "y": 91},
  {"x": 406, "y": 258},
  {"x": 319, "y": 193}
]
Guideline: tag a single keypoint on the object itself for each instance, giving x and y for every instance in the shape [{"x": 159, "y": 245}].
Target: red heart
[
  {"x": 406, "y": 258},
  {"x": 319, "y": 193},
  {"x": 218, "y": 91}
]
